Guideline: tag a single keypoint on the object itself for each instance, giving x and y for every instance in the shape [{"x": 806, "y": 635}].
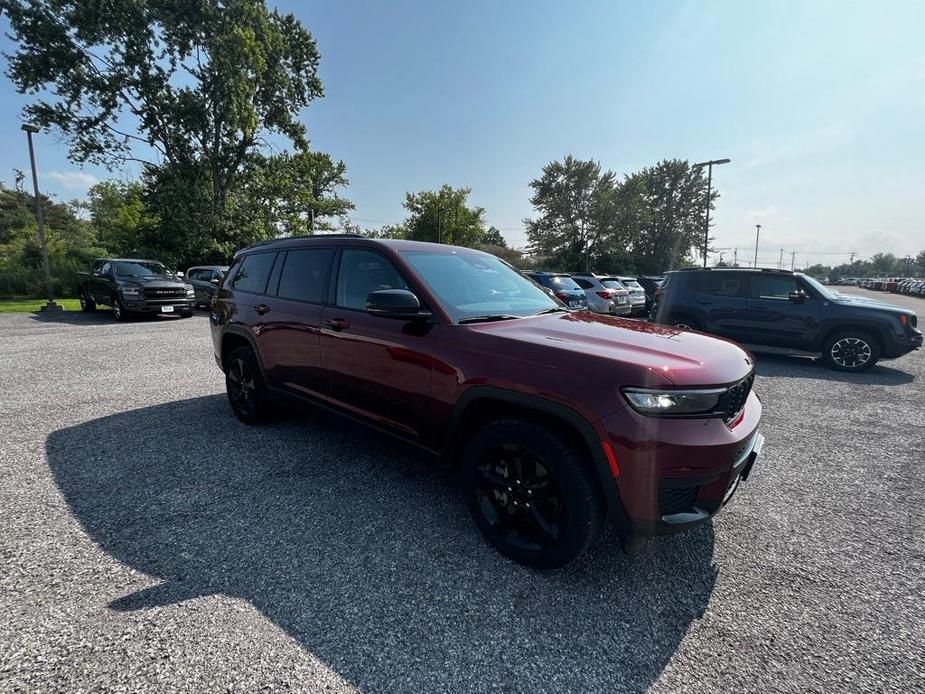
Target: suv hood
[
  {"x": 863, "y": 301},
  {"x": 684, "y": 358}
]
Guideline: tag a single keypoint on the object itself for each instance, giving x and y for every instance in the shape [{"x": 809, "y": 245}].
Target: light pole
[
  {"x": 757, "y": 234},
  {"x": 706, "y": 229},
  {"x": 40, "y": 216}
]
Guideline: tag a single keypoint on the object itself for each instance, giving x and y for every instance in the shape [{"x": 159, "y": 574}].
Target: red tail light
[{"x": 606, "y": 294}]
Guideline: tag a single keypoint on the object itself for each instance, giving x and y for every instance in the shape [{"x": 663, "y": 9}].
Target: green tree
[
  {"x": 493, "y": 237},
  {"x": 191, "y": 90},
  {"x": 122, "y": 221},
  {"x": 444, "y": 216}
]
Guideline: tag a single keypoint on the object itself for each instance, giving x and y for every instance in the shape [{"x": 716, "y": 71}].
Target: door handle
[
  {"x": 261, "y": 308},
  {"x": 337, "y": 324}
]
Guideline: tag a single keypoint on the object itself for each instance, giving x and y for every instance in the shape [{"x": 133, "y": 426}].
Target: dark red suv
[{"x": 558, "y": 421}]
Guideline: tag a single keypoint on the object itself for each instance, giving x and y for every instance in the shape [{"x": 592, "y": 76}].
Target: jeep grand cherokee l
[
  {"x": 787, "y": 312},
  {"x": 557, "y": 420}
]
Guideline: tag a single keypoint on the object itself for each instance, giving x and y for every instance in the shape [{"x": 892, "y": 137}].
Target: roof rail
[
  {"x": 740, "y": 269},
  {"x": 258, "y": 244}
]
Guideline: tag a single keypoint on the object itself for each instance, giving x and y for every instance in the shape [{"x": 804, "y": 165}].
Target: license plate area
[{"x": 166, "y": 309}]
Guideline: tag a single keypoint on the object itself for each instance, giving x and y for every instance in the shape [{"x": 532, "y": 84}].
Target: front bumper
[
  {"x": 903, "y": 345},
  {"x": 677, "y": 473},
  {"x": 186, "y": 305}
]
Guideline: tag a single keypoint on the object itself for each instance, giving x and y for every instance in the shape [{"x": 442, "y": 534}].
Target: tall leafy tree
[
  {"x": 444, "y": 216},
  {"x": 193, "y": 90},
  {"x": 576, "y": 205}
]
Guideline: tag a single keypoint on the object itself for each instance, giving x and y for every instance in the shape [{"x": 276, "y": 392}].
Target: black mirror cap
[
  {"x": 394, "y": 303},
  {"x": 797, "y": 297}
]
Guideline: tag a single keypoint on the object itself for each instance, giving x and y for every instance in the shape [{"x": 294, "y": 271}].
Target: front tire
[
  {"x": 532, "y": 494},
  {"x": 247, "y": 393},
  {"x": 851, "y": 350},
  {"x": 119, "y": 311}
]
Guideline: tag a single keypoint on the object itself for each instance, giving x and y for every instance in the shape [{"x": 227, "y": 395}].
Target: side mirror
[
  {"x": 797, "y": 297},
  {"x": 394, "y": 303}
]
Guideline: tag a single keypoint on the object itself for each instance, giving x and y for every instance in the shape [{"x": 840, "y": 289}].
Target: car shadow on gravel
[
  {"x": 801, "y": 367},
  {"x": 365, "y": 555},
  {"x": 101, "y": 316}
]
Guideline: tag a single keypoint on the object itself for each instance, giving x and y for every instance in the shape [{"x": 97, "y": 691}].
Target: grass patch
[{"x": 32, "y": 305}]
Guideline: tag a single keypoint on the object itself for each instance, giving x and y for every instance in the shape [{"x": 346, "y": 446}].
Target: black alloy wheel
[
  {"x": 520, "y": 499},
  {"x": 118, "y": 310},
  {"x": 532, "y": 492},
  {"x": 246, "y": 393}
]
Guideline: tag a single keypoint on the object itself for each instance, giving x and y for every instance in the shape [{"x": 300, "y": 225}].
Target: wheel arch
[
  {"x": 875, "y": 330},
  {"x": 480, "y": 405},
  {"x": 234, "y": 338}
]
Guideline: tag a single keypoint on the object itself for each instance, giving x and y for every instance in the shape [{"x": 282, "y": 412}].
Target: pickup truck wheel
[
  {"x": 118, "y": 310},
  {"x": 247, "y": 393},
  {"x": 87, "y": 305},
  {"x": 531, "y": 493},
  {"x": 851, "y": 350}
]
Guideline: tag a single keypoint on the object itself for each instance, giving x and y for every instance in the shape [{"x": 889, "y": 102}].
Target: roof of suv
[
  {"x": 398, "y": 244},
  {"x": 734, "y": 269}
]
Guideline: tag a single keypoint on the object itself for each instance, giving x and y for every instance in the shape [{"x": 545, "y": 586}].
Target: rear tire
[
  {"x": 851, "y": 350},
  {"x": 87, "y": 305},
  {"x": 532, "y": 493},
  {"x": 684, "y": 323},
  {"x": 247, "y": 393}
]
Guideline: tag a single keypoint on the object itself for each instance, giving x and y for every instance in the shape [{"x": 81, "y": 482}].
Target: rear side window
[
  {"x": 719, "y": 283},
  {"x": 771, "y": 287},
  {"x": 612, "y": 284},
  {"x": 253, "y": 273},
  {"x": 583, "y": 283},
  {"x": 306, "y": 275}
]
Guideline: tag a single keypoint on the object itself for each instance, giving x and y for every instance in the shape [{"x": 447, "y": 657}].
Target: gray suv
[{"x": 605, "y": 294}]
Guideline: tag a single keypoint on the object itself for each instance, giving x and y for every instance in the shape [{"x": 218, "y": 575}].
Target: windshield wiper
[
  {"x": 487, "y": 319},
  {"x": 553, "y": 309}
]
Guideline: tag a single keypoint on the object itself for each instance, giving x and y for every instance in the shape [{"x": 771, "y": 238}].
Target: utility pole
[
  {"x": 851, "y": 262},
  {"x": 40, "y": 217},
  {"x": 757, "y": 234},
  {"x": 439, "y": 225},
  {"x": 780, "y": 263},
  {"x": 793, "y": 256},
  {"x": 735, "y": 257},
  {"x": 706, "y": 225}
]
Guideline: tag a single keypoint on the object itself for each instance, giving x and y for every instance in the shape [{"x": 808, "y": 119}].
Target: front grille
[
  {"x": 733, "y": 400},
  {"x": 163, "y": 293},
  {"x": 673, "y": 500}
]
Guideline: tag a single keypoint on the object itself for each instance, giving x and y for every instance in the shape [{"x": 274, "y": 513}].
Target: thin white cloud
[{"x": 75, "y": 180}]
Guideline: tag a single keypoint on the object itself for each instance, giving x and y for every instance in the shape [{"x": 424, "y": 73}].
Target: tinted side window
[
  {"x": 584, "y": 284},
  {"x": 106, "y": 269},
  {"x": 773, "y": 287},
  {"x": 252, "y": 275},
  {"x": 195, "y": 274},
  {"x": 720, "y": 283},
  {"x": 306, "y": 274},
  {"x": 362, "y": 272}
]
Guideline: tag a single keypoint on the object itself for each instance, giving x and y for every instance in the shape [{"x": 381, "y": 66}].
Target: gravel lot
[{"x": 148, "y": 542}]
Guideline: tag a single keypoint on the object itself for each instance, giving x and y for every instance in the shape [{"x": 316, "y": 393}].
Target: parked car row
[
  {"x": 899, "y": 285},
  {"x": 613, "y": 295},
  {"x": 913, "y": 287}
]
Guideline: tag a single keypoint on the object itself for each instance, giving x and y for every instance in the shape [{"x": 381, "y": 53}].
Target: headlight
[
  {"x": 672, "y": 402},
  {"x": 130, "y": 291}
]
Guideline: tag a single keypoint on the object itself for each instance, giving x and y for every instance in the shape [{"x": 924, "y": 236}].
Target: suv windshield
[
  {"x": 139, "y": 268},
  {"x": 471, "y": 284},
  {"x": 824, "y": 291}
]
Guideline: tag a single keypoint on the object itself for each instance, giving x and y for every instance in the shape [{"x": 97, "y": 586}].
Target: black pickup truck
[{"x": 133, "y": 286}]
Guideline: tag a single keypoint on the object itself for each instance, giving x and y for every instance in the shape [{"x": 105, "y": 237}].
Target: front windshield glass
[
  {"x": 470, "y": 284},
  {"x": 140, "y": 268},
  {"x": 824, "y": 291}
]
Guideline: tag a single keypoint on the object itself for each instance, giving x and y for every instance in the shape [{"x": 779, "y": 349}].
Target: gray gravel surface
[{"x": 150, "y": 542}]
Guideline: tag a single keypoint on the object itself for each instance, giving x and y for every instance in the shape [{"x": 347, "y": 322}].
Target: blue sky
[{"x": 820, "y": 106}]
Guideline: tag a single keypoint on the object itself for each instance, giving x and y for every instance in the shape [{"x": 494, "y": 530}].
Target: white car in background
[
  {"x": 637, "y": 295},
  {"x": 605, "y": 294}
]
